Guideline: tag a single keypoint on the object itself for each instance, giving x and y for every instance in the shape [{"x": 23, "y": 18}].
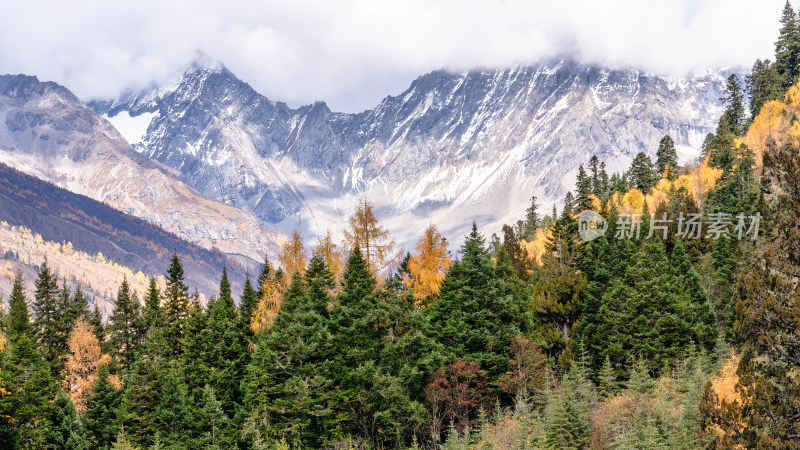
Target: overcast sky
[{"x": 352, "y": 53}]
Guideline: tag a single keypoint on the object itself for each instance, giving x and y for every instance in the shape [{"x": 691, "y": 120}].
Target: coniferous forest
[{"x": 678, "y": 327}]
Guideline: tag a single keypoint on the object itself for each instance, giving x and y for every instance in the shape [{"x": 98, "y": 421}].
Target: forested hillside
[
  {"x": 659, "y": 308},
  {"x": 60, "y": 216}
]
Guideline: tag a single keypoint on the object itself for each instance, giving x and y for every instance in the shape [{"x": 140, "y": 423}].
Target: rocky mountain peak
[{"x": 473, "y": 145}]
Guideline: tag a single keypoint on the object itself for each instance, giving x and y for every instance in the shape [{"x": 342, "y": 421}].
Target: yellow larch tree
[
  {"x": 269, "y": 305},
  {"x": 366, "y": 234},
  {"x": 293, "y": 257},
  {"x": 82, "y": 362},
  {"x": 334, "y": 256},
  {"x": 428, "y": 265}
]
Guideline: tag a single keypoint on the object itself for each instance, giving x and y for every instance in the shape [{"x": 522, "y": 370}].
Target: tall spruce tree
[
  {"x": 67, "y": 432},
  {"x": 583, "y": 188},
  {"x": 641, "y": 173},
  {"x": 102, "y": 408},
  {"x": 51, "y": 330},
  {"x": 29, "y": 389},
  {"x": 247, "y": 303},
  {"x": 287, "y": 387},
  {"x": 19, "y": 320},
  {"x": 126, "y": 324},
  {"x": 173, "y": 420},
  {"x": 176, "y": 306},
  {"x": 594, "y": 170},
  {"x": 787, "y": 47},
  {"x": 733, "y": 118},
  {"x": 531, "y": 221},
  {"x": 476, "y": 316},
  {"x": 763, "y": 84},
  {"x": 153, "y": 315},
  {"x": 666, "y": 158},
  {"x": 557, "y": 300},
  {"x": 224, "y": 352},
  {"x": 647, "y": 313},
  {"x": 212, "y": 426}
]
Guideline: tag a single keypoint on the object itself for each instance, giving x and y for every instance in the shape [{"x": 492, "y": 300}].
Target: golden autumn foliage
[
  {"x": 82, "y": 362},
  {"x": 366, "y": 234},
  {"x": 83, "y": 268},
  {"x": 777, "y": 121},
  {"x": 334, "y": 256},
  {"x": 724, "y": 384},
  {"x": 697, "y": 182},
  {"x": 723, "y": 388},
  {"x": 293, "y": 256},
  {"x": 538, "y": 245},
  {"x": 3, "y": 342},
  {"x": 269, "y": 304},
  {"x": 428, "y": 265}
]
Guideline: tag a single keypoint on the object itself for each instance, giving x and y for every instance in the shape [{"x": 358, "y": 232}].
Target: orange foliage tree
[
  {"x": 428, "y": 265},
  {"x": 82, "y": 362},
  {"x": 293, "y": 256},
  {"x": 370, "y": 237},
  {"x": 333, "y": 255},
  {"x": 269, "y": 304}
]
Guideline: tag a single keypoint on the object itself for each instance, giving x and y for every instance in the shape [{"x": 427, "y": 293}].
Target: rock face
[
  {"x": 453, "y": 148},
  {"x": 45, "y": 131}
]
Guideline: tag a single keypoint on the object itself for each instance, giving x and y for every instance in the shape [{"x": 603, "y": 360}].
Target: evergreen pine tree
[
  {"x": 646, "y": 312},
  {"x": 583, "y": 187},
  {"x": 176, "y": 306},
  {"x": 95, "y": 319},
  {"x": 77, "y": 305},
  {"x": 640, "y": 380},
  {"x": 763, "y": 84},
  {"x": 603, "y": 188},
  {"x": 224, "y": 352},
  {"x": 267, "y": 273},
  {"x": 594, "y": 169},
  {"x": 248, "y": 302},
  {"x": 641, "y": 173},
  {"x": 126, "y": 324},
  {"x": 29, "y": 389},
  {"x": 18, "y": 317},
  {"x": 286, "y": 384},
  {"x": 705, "y": 333},
  {"x": 557, "y": 300},
  {"x": 666, "y": 158},
  {"x": 49, "y": 326},
  {"x": 213, "y": 428},
  {"x": 102, "y": 409},
  {"x": 66, "y": 431},
  {"x": 607, "y": 379},
  {"x": 144, "y": 386},
  {"x": 733, "y": 118},
  {"x": 153, "y": 316},
  {"x": 787, "y": 47},
  {"x": 476, "y": 315},
  {"x": 531, "y": 221},
  {"x": 173, "y": 417},
  {"x": 195, "y": 345}
]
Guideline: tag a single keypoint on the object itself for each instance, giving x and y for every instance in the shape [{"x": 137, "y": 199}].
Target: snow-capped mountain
[
  {"x": 452, "y": 148},
  {"x": 45, "y": 131}
]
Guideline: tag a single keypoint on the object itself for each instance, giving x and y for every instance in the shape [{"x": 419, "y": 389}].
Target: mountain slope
[
  {"x": 453, "y": 147},
  {"x": 85, "y": 225},
  {"x": 47, "y": 132}
]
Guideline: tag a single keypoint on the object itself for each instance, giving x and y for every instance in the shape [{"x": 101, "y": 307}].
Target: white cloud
[{"x": 351, "y": 53}]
